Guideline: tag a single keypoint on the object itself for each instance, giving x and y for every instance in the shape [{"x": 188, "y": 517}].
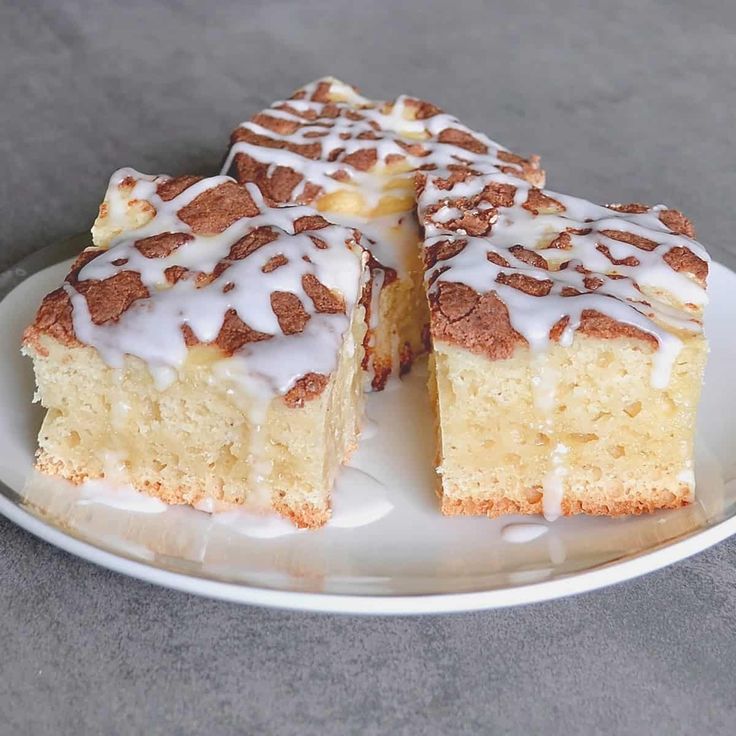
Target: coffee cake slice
[
  {"x": 568, "y": 350},
  {"x": 354, "y": 160},
  {"x": 206, "y": 347}
]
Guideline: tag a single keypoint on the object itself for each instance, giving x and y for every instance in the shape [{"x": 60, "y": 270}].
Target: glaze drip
[{"x": 274, "y": 290}]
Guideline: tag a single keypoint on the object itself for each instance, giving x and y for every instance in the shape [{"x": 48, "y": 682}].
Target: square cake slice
[
  {"x": 568, "y": 350},
  {"x": 355, "y": 159},
  {"x": 207, "y": 347}
]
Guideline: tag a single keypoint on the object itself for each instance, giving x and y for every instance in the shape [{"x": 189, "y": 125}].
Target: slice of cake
[
  {"x": 355, "y": 158},
  {"x": 568, "y": 350},
  {"x": 207, "y": 347}
]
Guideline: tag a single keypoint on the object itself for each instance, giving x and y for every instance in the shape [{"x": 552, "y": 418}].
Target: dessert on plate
[
  {"x": 211, "y": 346},
  {"x": 568, "y": 349},
  {"x": 207, "y": 347},
  {"x": 354, "y": 159}
]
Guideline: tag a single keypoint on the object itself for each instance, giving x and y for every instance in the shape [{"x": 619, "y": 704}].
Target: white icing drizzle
[
  {"x": 358, "y": 499},
  {"x": 392, "y": 239},
  {"x": 258, "y": 526},
  {"x": 522, "y": 532},
  {"x": 252, "y": 393},
  {"x": 119, "y": 496},
  {"x": 544, "y": 390},
  {"x": 650, "y": 296},
  {"x": 553, "y": 488},
  {"x": 687, "y": 476},
  {"x": 544, "y": 385},
  {"x": 361, "y": 123},
  {"x": 151, "y": 327}
]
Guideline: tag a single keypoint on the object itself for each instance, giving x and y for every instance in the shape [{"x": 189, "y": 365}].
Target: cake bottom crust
[
  {"x": 656, "y": 500},
  {"x": 304, "y": 516}
]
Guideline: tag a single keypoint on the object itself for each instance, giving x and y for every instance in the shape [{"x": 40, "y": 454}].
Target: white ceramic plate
[{"x": 411, "y": 561}]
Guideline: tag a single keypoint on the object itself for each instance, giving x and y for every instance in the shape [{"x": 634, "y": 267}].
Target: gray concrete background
[{"x": 624, "y": 101}]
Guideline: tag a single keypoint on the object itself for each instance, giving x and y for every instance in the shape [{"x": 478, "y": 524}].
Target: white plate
[{"x": 411, "y": 561}]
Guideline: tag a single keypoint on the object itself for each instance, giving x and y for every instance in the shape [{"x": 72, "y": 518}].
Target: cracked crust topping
[
  {"x": 327, "y": 137},
  {"x": 180, "y": 262},
  {"x": 508, "y": 264},
  {"x": 355, "y": 159}
]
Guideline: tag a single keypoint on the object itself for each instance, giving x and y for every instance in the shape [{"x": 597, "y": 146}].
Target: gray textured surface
[{"x": 624, "y": 100}]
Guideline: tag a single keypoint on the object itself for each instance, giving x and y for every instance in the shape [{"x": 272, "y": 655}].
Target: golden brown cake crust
[
  {"x": 494, "y": 508},
  {"x": 304, "y": 516},
  {"x": 54, "y": 318},
  {"x": 305, "y": 134},
  {"x": 210, "y": 212},
  {"x": 463, "y": 207}
]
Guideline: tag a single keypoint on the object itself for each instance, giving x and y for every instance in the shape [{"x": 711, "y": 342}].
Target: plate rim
[
  {"x": 608, "y": 573},
  {"x": 603, "y": 575}
]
